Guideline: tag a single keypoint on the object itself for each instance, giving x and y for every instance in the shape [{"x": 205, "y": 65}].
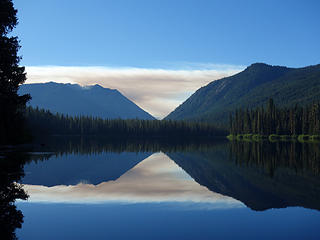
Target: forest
[
  {"x": 302, "y": 122},
  {"x": 251, "y": 88},
  {"x": 42, "y": 122}
]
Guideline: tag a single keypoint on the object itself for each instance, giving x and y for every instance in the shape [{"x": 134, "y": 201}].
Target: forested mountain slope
[{"x": 251, "y": 88}]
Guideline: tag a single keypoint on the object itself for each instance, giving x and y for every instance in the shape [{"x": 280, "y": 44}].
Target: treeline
[
  {"x": 43, "y": 122},
  {"x": 272, "y": 120}
]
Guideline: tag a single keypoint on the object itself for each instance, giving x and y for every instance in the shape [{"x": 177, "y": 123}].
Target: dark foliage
[
  {"x": 61, "y": 145},
  {"x": 262, "y": 175},
  {"x": 11, "y": 171},
  {"x": 251, "y": 88},
  {"x": 11, "y": 76},
  {"x": 302, "y": 158},
  {"x": 43, "y": 122},
  {"x": 273, "y": 120}
]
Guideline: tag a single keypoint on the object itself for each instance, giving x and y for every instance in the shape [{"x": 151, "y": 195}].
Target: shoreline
[{"x": 303, "y": 138}]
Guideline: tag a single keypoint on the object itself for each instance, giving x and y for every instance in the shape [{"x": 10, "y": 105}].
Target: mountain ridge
[
  {"x": 76, "y": 100},
  {"x": 251, "y": 88}
]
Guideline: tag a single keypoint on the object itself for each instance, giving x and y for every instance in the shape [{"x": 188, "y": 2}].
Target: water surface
[{"x": 88, "y": 190}]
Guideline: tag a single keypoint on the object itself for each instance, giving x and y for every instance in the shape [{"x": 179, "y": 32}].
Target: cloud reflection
[{"x": 155, "y": 179}]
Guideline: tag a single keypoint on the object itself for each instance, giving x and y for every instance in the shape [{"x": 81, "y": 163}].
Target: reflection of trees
[
  {"x": 11, "y": 171},
  {"x": 261, "y": 175},
  {"x": 266, "y": 155},
  {"x": 301, "y": 157},
  {"x": 89, "y": 145}
]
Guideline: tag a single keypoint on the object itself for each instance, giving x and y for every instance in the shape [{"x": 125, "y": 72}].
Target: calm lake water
[{"x": 88, "y": 189}]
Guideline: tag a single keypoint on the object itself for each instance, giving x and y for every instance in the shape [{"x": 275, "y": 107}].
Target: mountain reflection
[
  {"x": 261, "y": 175},
  {"x": 155, "y": 179},
  {"x": 71, "y": 169}
]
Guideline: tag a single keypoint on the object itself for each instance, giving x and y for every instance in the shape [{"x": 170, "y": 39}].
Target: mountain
[
  {"x": 74, "y": 100},
  {"x": 251, "y": 88},
  {"x": 259, "y": 184}
]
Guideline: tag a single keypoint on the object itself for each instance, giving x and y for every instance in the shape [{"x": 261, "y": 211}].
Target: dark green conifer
[{"x": 11, "y": 77}]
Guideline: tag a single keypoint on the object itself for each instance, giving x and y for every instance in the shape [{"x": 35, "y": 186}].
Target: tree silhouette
[
  {"x": 292, "y": 121},
  {"x": 43, "y": 123},
  {"x": 11, "y": 76},
  {"x": 11, "y": 172}
]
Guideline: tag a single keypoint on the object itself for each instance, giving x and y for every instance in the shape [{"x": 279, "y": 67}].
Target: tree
[
  {"x": 11, "y": 77},
  {"x": 286, "y": 121}
]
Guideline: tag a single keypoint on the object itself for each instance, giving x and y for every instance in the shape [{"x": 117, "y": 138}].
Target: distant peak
[
  {"x": 258, "y": 65},
  {"x": 89, "y": 87},
  {"x": 52, "y": 83},
  {"x": 264, "y": 66},
  {"x": 97, "y": 86}
]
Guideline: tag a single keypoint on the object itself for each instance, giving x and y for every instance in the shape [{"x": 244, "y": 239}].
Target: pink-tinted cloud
[{"x": 158, "y": 91}]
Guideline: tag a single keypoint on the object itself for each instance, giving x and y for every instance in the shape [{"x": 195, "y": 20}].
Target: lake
[{"x": 95, "y": 189}]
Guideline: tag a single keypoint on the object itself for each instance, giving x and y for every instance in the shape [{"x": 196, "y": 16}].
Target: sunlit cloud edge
[{"x": 157, "y": 90}]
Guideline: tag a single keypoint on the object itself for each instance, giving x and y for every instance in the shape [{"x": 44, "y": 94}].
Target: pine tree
[{"x": 11, "y": 76}]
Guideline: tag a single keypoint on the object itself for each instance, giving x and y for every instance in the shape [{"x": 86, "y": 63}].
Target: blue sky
[
  {"x": 150, "y": 33},
  {"x": 168, "y": 34}
]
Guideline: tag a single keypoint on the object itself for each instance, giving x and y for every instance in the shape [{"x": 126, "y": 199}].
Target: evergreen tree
[
  {"x": 43, "y": 122},
  {"x": 11, "y": 76},
  {"x": 292, "y": 121}
]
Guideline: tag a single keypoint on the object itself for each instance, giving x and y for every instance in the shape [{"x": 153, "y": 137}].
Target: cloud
[{"x": 158, "y": 91}]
